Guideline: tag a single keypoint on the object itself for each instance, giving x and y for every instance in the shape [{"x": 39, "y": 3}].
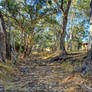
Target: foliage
[{"x": 34, "y": 29}]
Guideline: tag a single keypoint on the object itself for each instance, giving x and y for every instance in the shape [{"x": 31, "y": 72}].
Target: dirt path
[{"x": 38, "y": 76}]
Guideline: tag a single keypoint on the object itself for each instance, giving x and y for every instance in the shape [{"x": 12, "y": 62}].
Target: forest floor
[{"x": 35, "y": 74}]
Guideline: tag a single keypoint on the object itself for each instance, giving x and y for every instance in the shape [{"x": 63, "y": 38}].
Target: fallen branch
[{"x": 88, "y": 87}]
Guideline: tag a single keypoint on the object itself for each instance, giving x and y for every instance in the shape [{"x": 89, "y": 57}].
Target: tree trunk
[
  {"x": 29, "y": 51},
  {"x": 8, "y": 54},
  {"x": 2, "y": 45},
  {"x": 70, "y": 43},
  {"x": 62, "y": 38},
  {"x": 88, "y": 65},
  {"x": 70, "y": 40},
  {"x": 89, "y": 56},
  {"x": 63, "y": 32},
  {"x": 90, "y": 35}
]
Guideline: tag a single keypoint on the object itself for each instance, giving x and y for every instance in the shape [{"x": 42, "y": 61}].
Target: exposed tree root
[{"x": 64, "y": 58}]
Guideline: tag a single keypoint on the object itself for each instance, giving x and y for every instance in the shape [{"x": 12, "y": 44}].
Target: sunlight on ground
[{"x": 46, "y": 55}]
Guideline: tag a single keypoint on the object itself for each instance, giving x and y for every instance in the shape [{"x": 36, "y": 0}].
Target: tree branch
[
  {"x": 68, "y": 7},
  {"x": 62, "y": 6}
]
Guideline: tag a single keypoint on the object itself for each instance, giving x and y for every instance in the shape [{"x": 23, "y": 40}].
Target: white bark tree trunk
[{"x": 71, "y": 33}]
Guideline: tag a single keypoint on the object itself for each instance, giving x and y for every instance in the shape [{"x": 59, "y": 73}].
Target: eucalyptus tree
[
  {"x": 3, "y": 29},
  {"x": 78, "y": 16},
  {"x": 90, "y": 36},
  {"x": 62, "y": 6},
  {"x": 87, "y": 67},
  {"x": 78, "y": 34},
  {"x": 48, "y": 32},
  {"x": 26, "y": 16}
]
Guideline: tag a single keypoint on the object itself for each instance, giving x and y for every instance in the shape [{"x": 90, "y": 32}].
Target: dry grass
[
  {"x": 6, "y": 70},
  {"x": 57, "y": 76}
]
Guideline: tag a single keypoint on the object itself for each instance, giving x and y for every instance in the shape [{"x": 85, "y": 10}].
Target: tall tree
[
  {"x": 6, "y": 37},
  {"x": 25, "y": 15},
  {"x": 88, "y": 65},
  {"x": 64, "y": 7}
]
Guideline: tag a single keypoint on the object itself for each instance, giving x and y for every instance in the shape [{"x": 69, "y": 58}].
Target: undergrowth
[{"x": 6, "y": 70}]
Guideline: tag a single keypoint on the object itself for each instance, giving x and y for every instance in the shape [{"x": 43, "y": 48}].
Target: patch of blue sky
[{"x": 76, "y": 22}]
